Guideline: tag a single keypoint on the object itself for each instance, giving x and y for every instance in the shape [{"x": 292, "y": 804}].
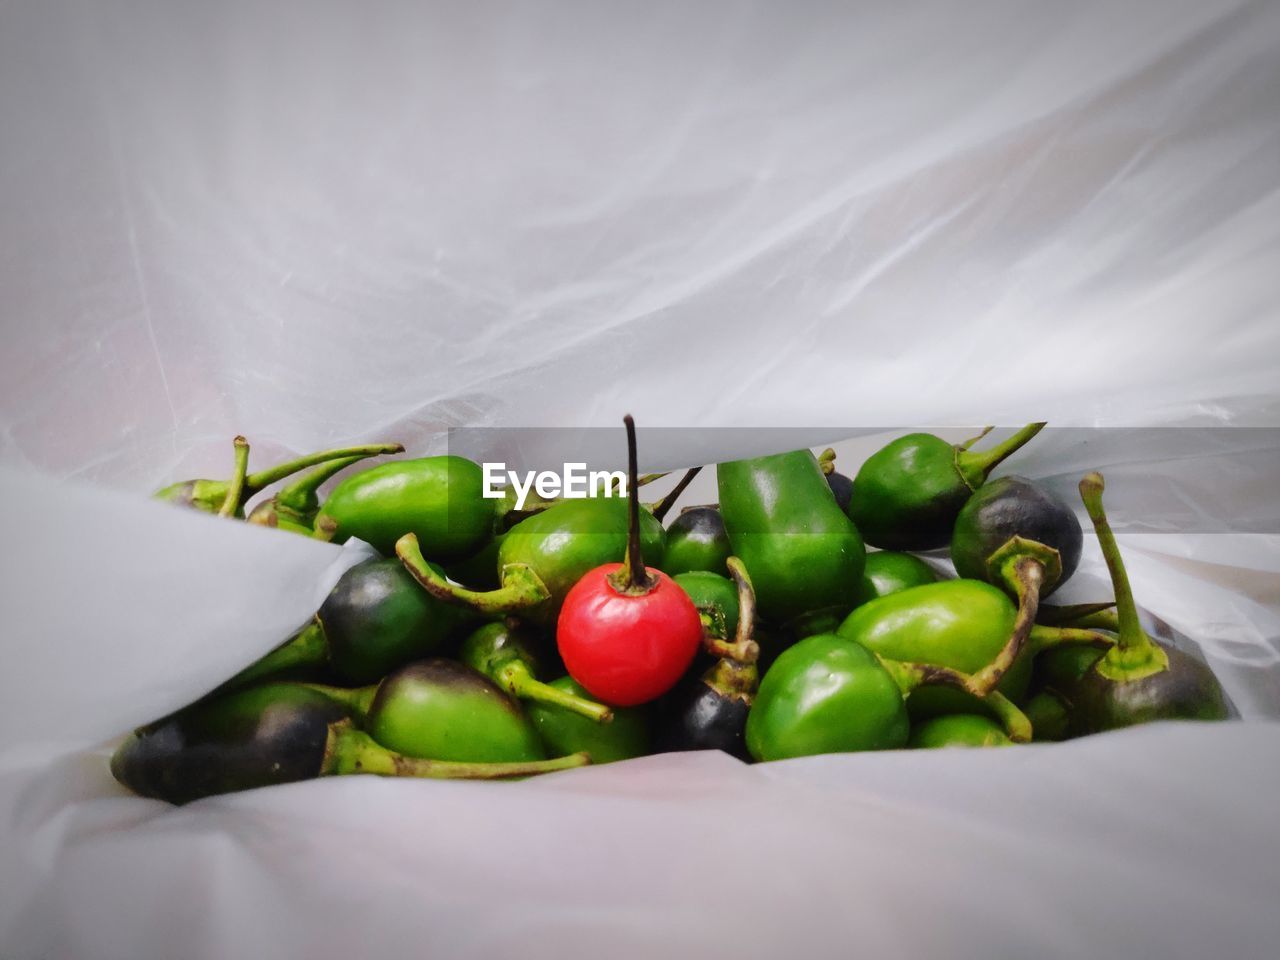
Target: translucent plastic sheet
[{"x": 319, "y": 223}]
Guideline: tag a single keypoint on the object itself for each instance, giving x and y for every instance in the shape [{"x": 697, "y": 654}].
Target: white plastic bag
[{"x": 320, "y": 223}]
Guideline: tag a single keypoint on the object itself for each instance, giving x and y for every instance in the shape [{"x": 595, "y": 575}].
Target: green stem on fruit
[
  {"x": 1026, "y": 574},
  {"x": 827, "y": 461},
  {"x": 633, "y": 579},
  {"x": 521, "y": 589},
  {"x": 663, "y": 506},
  {"x": 912, "y": 676},
  {"x": 975, "y": 467},
  {"x": 1135, "y": 654},
  {"x": 357, "y": 699},
  {"x": 515, "y": 677},
  {"x": 349, "y": 751},
  {"x": 972, "y": 440},
  {"x": 236, "y": 493},
  {"x": 1046, "y": 638},
  {"x": 301, "y": 496},
  {"x": 746, "y": 650},
  {"x": 1076, "y": 614},
  {"x": 264, "y": 478},
  {"x": 306, "y": 648}
]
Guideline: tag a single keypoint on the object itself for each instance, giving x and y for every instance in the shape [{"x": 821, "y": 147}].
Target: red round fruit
[{"x": 625, "y": 648}]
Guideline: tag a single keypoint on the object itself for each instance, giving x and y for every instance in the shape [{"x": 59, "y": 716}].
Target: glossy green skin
[
  {"x": 826, "y": 695},
  {"x": 491, "y": 646},
  {"x": 803, "y": 553},
  {"x": 959, "y": 730},
  {"x": 697, "y": 540},
  {"x": 444, "y": 710},
  {"x": 1060, "y": 668},
  {"x": 907, "y": 494},
  {"x": 564, "y": 732},
  {"x": 378, "y": 618},
  {"x": 889, "y": 572},
  {"x": 962, "y": 624},
  {"x": 264, "y": 735},
  {"x": 569, "y": 539},
  {"x": 710, "y": 590},
  {"x": 438, "y": 498}
]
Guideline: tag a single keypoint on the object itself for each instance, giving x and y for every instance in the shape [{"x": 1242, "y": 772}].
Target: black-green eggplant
[
  {"x": 709, "y": 712},
  {"x": 272, "y": 734},
  {"x": 804, "y": 554},
  {"x": 228, "y": 497},
  {"x": 907, "y": 494},
  {"x": 716, "y": 598},
  {"x": 697, "y": 540},
  {"x": 1139, "y": 679},
  {"x": 502, "y": 653},
  {"x": 376, "y": 618},
  {"x": 828, "y": 694}
]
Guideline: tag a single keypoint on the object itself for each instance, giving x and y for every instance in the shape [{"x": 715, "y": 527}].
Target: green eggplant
[
  {"x": 445, "y": 710},
  {"x": 715, "y": 597},
  {"x": 907, "y": 494},
  {"x": 438, "y": 499},
  {"x": 375, "y": 619},
  {"x": 567, "y": 732},
  {"x": 228, "y": 497},
  {"x": 1138, "y": 680},
  {"x": 804, "y": 554},
  {"x": 828, "y": 694},
  {"x": 887, "y": 572},
  {"x": 965, "y": 625},
  {"x": 296, "y": 505},
  {"x": 959, "y": 730},
  {"x": 480, "y": 570},
  {"x": 498, "y": 651},
  {"x": 272, "y": 734},
  {"x": 544, "y": 555},
  {"x": 697, "y": 540}
]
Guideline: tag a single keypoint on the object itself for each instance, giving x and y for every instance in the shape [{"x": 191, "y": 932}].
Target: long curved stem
[
  {"x": 1027, "y": 575},
  {"x": 912, "y": 676},
  {"x": 745, "y": 648},
  {"x": 516, "y": 678},
  {"x": 264, "y": 478},
  {"x": 521, "y": 589},
  {"x": 306, "y": 648},
  {"x": 1135, "y": 654},
  {"x": 300, "y": 495},
  {"x": 236, "y": 493},
  {"x": 1072, "y": 615},
  {"x": 663, "y": 506},
  {"x": 350, "y": 751},
  {"x": 976, "y": 466}
]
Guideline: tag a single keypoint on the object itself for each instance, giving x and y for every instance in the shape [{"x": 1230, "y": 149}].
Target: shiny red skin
[{"x": 626, "y": 650}]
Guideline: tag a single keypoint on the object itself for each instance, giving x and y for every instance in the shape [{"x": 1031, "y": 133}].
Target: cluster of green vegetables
[{"x": 487, "y": 643}]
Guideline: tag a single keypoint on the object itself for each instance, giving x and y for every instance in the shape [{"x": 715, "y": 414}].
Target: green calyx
[
  {"x": 350, "y": 751},
  {"x": 975, "y": 467},
  {"x": 1135, "y": 655},
  {"x": 521, "y": 589},
  {"x": 296, "y": 505}
]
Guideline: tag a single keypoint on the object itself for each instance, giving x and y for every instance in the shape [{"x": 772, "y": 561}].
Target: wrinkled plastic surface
[{"x": 317, "y": 223}]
